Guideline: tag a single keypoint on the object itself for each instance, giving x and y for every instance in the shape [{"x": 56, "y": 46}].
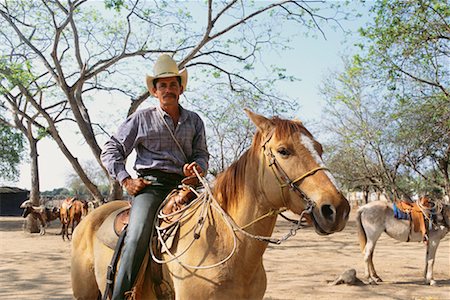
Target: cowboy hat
[{"x": 164, "y": 67}]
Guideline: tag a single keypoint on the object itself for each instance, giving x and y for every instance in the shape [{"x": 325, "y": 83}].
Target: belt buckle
[{"x": 152, "y": 179}]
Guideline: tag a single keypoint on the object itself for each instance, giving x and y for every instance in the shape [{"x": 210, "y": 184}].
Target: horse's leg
[
  {"x": 370, "y": 272},
  {"x": 433, "y": 243},
  {"x": 42, "y": 225},
  {"x": 42, "y": 229},
  {"x": 73, "y": 227},
  {"x": 368, "y": 234},
  {"x": 368, "y": 261},
  {"x": 64, "y": 231}
]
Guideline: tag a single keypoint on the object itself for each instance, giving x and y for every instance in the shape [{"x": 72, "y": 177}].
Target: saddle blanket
[
  {"x": 401, "y": 215},
  {"x": 109, "y": 235}
]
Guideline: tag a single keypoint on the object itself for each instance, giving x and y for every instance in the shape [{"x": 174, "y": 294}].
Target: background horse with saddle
[{"x": 422, "y": 221}]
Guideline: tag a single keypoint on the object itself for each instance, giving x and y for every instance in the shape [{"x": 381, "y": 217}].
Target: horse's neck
[{"x": 247, "y": 210}]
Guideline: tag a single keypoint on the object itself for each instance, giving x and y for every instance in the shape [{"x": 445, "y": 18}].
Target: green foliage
[
  {"x": 11, "y": 152},
  {"x": 14, "y": 73},
  {"x": 389, "y": 110},
  {"x": 410, "y": 39},
  {"x": 117, "y": 5}
]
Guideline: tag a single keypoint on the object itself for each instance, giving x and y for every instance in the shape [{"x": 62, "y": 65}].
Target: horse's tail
[{"x": 361, "y": 232}]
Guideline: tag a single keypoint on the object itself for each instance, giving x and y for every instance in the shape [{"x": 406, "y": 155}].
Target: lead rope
[{"x": 172, "y": 134}]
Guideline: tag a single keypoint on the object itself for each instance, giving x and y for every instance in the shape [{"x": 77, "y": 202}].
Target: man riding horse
[{"x": 170, "y": 142}]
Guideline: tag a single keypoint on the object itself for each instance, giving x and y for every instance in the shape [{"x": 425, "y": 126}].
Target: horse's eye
[{"x": 283, "y": 151}]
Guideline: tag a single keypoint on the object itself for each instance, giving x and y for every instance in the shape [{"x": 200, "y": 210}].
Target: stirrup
[{"x": 111, "y": 271}]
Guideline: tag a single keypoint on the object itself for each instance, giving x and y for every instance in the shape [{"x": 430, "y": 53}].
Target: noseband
[{"x": 283, "y": 179}]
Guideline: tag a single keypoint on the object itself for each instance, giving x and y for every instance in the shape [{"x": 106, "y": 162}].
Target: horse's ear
[
  {"x": 261, "y": 122},
  {"x": 298, "y": 121}
]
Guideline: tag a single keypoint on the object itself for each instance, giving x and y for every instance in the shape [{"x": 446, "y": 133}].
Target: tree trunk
[
  {"x": 33, "y": 224},
  {"x": 115, "y": 190}
]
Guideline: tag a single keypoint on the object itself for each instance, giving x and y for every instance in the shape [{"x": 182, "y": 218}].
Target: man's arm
[
  {"x": 200, "y": 154},
  {"x": 118, "y": 147}
]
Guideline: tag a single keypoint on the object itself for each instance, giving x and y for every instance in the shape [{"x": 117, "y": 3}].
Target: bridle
[{"x": 283, "y": 179}]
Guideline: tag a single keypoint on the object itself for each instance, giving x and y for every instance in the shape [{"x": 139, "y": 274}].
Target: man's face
[{"x": 168, "y": 91}]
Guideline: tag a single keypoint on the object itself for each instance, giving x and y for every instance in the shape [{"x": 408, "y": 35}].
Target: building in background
[{"x": 10, "y": 200}]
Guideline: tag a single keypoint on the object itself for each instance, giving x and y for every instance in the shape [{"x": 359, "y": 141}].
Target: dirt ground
[{"x": 38, "y": 267}]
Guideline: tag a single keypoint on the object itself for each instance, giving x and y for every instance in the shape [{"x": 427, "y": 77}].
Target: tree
[
  {"x": 363, "y": 153},
  {"x": 410, "y": 41},
  {"x": 11, "y": 152},
  {"x": 408, "y": 47},
  {"x": 392, "y": 100},
  {"x": 73, "y": 52},
  {"x": 95, "y": 173}
]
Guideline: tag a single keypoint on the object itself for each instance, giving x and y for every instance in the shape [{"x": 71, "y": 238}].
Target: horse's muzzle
[{"x": 329, "y": 218}]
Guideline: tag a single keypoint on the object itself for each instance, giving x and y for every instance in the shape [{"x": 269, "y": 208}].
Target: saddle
[
  {"x": 115, "y": 223},
  {"x": 413, "y": 212},
  {"x": 177, "y": 199}
]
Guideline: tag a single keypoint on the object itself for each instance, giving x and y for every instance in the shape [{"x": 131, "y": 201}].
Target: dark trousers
[{"x": 143, "y": 211}]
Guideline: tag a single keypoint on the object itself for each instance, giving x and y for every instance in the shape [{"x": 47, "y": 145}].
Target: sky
[{"x": 311, "y": 59}]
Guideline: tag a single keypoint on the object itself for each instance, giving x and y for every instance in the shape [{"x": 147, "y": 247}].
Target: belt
[{"x": 160, "y": 175}]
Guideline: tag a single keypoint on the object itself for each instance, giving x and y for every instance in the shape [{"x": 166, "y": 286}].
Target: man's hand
[
  {"x": 188, "y": 169},
  {"x": 134, "y": 186}
]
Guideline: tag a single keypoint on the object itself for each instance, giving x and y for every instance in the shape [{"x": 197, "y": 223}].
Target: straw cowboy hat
[{"x": 165, "y": 66}]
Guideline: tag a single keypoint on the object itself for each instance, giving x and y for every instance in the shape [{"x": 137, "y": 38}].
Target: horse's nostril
[{"x": 328, "y": 212}]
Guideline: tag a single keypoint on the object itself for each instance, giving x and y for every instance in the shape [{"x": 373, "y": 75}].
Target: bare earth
[{"x": 38, "y": 267}]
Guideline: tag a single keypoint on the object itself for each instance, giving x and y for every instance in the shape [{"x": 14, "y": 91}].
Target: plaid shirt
[{"x": 155, "y": 148}]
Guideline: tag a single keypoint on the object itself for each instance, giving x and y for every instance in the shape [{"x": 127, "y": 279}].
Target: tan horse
[{"x": 283, "y": 168}]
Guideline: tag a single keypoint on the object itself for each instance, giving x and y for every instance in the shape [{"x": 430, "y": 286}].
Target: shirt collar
[{"x": 183, "y": 113}]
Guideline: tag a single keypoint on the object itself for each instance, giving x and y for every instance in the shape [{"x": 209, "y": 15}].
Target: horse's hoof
[
  {"x": 433, "y": 282},
  {"x": 372, "y": 281}
]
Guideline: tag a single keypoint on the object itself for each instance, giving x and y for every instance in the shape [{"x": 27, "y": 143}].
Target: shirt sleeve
[
  {"x": 200, "y": 152},
  {"x": 118, "y": 147}
]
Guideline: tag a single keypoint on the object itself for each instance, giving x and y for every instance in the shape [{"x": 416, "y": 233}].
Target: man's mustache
[{"x": 170, "y": 95}]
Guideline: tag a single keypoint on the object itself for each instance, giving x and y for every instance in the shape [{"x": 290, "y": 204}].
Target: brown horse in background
[
  {"x": 219, "y": 250},
  {"x": 41, "y": 213},
  {"x": 71, "y": 212}
]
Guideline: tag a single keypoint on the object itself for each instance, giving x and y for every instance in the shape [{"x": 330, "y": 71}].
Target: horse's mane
[{"x": 228, "y": 186}]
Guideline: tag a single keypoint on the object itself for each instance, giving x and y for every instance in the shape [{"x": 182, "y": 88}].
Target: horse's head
[
  {"x": 27, "y": 207},
  {"x": 293, "y": 175}
]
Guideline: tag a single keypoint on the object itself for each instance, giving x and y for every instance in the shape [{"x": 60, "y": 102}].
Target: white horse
[{"x": 377, "y": 217}]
